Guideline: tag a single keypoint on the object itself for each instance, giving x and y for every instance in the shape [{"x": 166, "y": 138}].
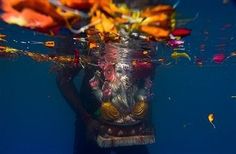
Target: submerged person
[
  {"x": 88, "y": 123},
  {"x": 86, "y": 127}
]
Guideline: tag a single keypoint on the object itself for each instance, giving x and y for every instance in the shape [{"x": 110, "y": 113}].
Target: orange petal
[{"x": 157, "y": 32}]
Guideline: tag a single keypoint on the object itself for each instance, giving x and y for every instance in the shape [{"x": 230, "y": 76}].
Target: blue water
[{"x": 35, "y": 119}]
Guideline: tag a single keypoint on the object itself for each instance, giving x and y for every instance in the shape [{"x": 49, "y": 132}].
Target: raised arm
[{"x": 67, "y": 88}]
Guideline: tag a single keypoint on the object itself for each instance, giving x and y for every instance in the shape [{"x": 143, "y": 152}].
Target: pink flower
[
  {"x": 218, "y": 58},
  {"x": 94, "y": 83}
]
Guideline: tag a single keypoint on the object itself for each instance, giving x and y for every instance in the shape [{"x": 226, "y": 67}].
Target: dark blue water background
[{"x": 35, "y": 119}]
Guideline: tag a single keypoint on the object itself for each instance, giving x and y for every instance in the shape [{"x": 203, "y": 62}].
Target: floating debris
[
  {"x": 2, "y": 37},
  {"x": 199, "y": 62},
  {"x": 7, "y": 50},
  {"x": 182, "y": 32},
  {"x": 233, "y": 96},
  {"x": 49, "y": 44},
  {"x": 175, "y": 43},
  {"x": 218, "y": 58},
  {"x": 232, "y": 54},
  {"x": 177, "y": 55},
  {"x": 211, "y": 118},
  {"x": 161, "y": 60},
  {"x": 187, "y": 125}
]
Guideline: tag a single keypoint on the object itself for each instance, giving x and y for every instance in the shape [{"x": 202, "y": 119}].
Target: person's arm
[{"x": 69, "y": 91}]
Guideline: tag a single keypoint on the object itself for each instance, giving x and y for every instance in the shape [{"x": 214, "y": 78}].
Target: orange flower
[
  {"x": 158, "y": 21},
  {"x": 157, "y": 32},
  {"x": 84, "y": 4},
  {"x": 30, "y": 13}
]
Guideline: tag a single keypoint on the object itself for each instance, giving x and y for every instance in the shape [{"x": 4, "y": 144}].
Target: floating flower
[
  {"x": 182, "y": 32},
  {"x": 218, "y": 58}
]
